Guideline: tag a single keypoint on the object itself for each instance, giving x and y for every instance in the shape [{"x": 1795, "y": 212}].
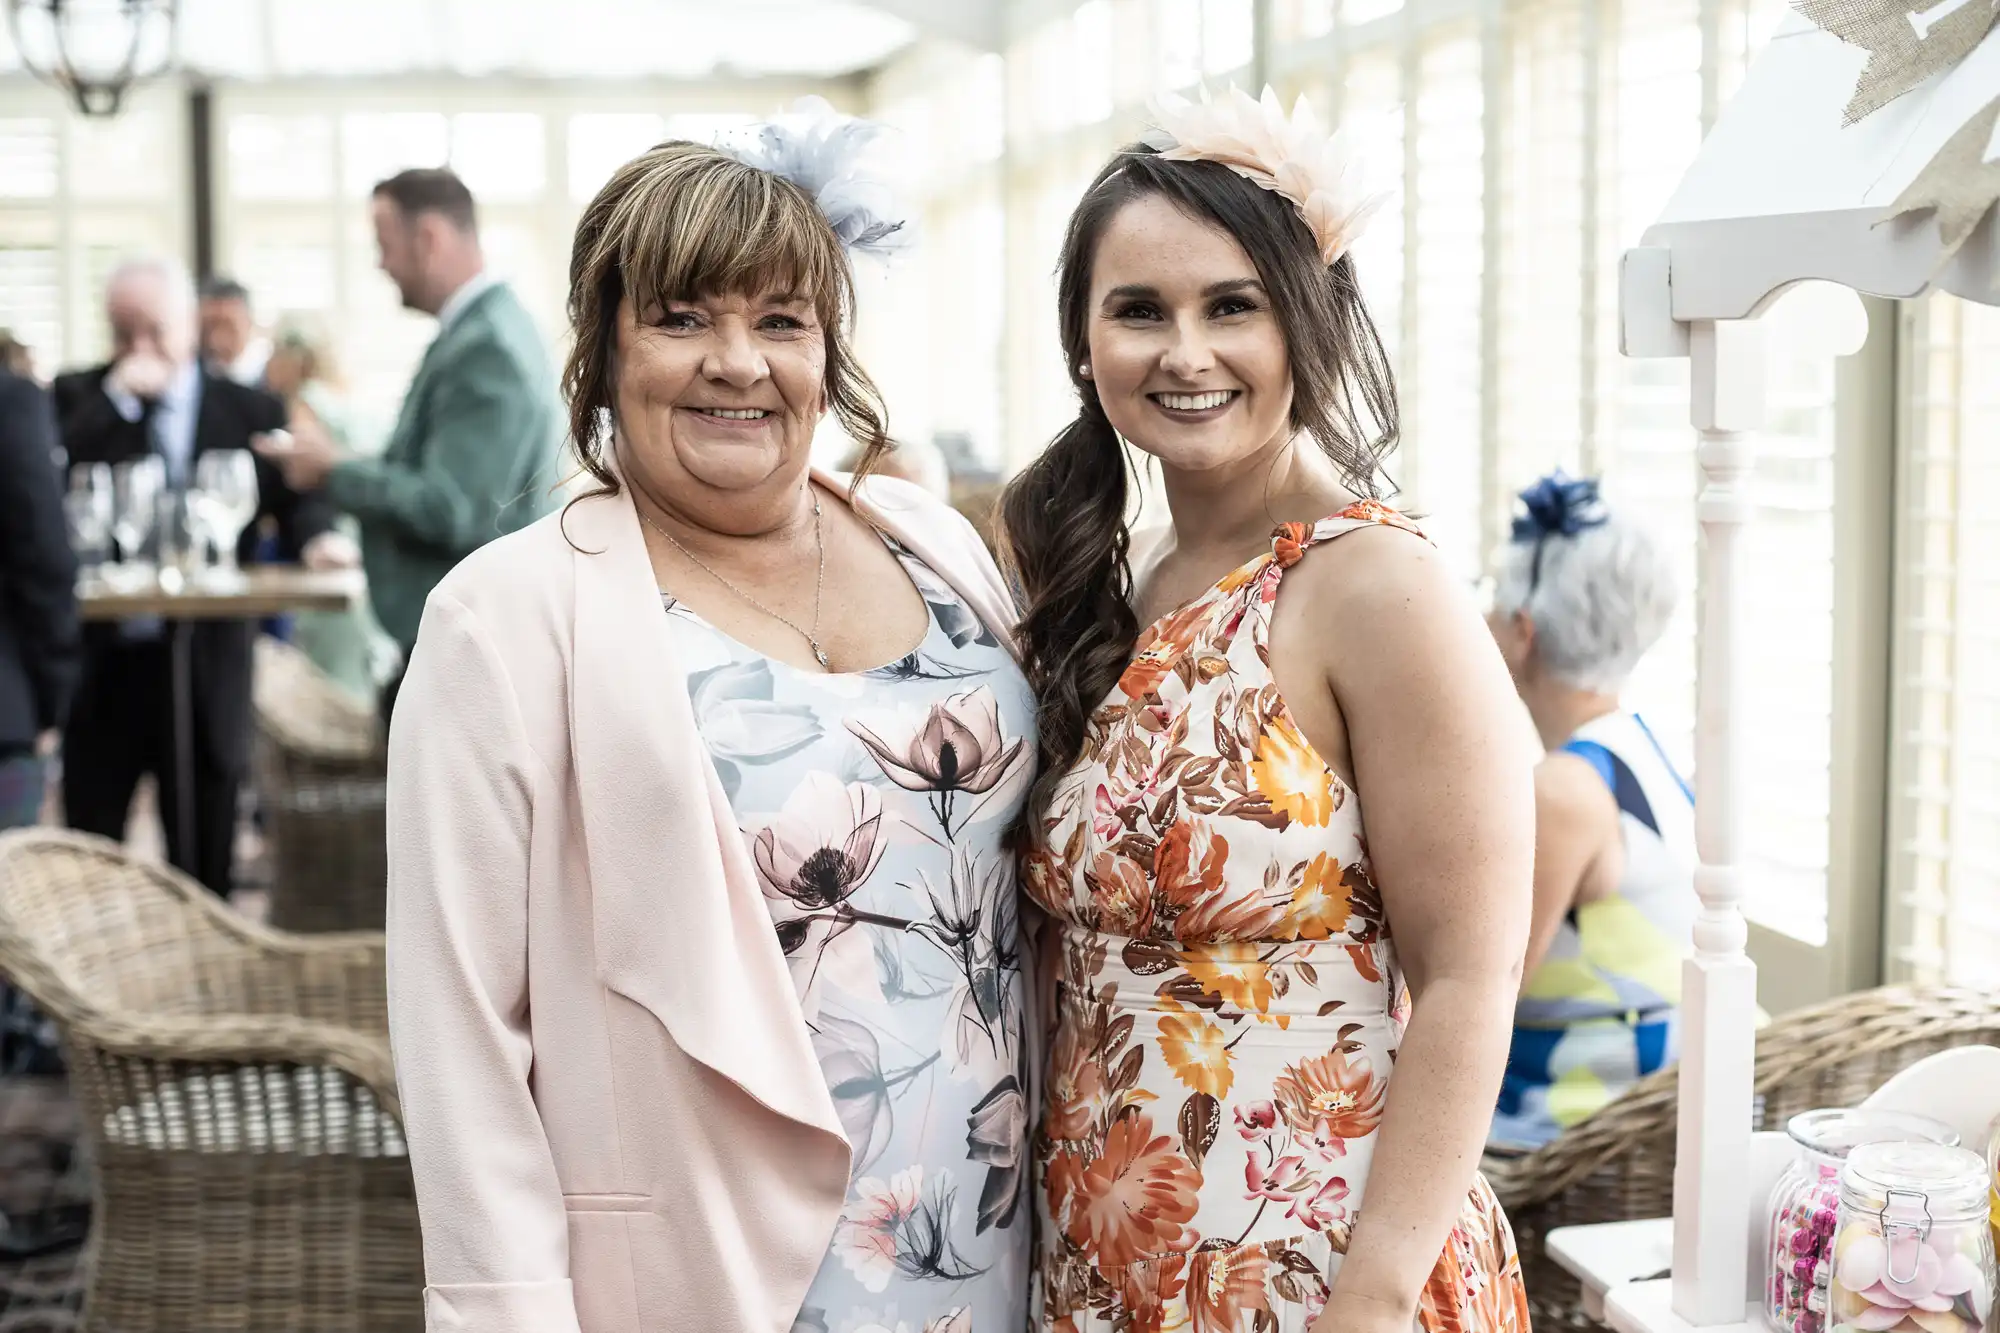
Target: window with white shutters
[
  {"x": 1444, "y": 263},
  {"x": 1646, "y": 58},
  {"x": 31, "y": 300},
  {"x": 1544, "y": 253},
  {"x": 1371, "y": 106},
  {"x": 1944, "y": 907},
  {"x": 1544, "y": 136},
  {"x": 76, "y": 196}
]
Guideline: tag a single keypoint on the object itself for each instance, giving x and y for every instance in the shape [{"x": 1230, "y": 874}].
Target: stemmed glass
[
  {"x": 88, "y": 508},
  {"x": 135, "y": 487},
  {"x": 224, "y": 498}
]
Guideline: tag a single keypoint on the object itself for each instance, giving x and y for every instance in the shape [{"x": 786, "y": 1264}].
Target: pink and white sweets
[{"x": 1912, "y": 1250}]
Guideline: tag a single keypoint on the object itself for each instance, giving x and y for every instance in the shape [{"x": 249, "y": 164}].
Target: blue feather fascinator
[
  {"x": 823, "y": 153},
  {"x": 1558, "y": 505}
]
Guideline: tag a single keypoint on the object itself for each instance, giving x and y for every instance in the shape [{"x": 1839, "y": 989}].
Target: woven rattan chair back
[
  {"x": 1618, "y": 1165},
  {"x": 320, "y": 772},
  {"x": 130, "y": 937},
  {"x": 235, "y": 1092}
]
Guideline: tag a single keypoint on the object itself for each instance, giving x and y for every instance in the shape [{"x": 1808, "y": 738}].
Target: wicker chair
[
  {"x": 236, "y": 1096},
  {"x": 1618, "y": 1165},
  {"x": 320, "y": 776}
]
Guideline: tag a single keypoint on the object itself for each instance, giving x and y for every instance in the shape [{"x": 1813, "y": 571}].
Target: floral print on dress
[
  {"x": 872, "y": 805},
  {"x": 1229, "y": 1003}
]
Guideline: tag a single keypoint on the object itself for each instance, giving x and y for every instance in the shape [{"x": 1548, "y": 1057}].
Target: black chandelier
[{"x": 94, "y": 50}]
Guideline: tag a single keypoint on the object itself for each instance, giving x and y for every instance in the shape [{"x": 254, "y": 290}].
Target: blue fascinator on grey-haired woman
[
  {"x": 1558, "y": 505},
  {"x": 821, "y": 151}
]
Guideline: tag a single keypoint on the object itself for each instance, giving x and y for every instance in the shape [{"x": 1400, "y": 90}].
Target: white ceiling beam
[{"x": 976, "y": 23}]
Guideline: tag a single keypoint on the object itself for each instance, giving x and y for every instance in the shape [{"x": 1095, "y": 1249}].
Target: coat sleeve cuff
[{"x": 501, "y": 1307}]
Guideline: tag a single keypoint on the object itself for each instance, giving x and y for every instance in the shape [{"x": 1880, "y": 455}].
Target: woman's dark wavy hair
[{"x": 1063, "y": 535}]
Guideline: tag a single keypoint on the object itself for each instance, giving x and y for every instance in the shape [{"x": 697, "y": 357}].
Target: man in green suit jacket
[{"x": 473, "y": 452}]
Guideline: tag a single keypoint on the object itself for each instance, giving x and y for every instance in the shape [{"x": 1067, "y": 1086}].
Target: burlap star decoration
[
  {"x": 1959, "y": 184},
  {"x": 1907, "y": 40}
]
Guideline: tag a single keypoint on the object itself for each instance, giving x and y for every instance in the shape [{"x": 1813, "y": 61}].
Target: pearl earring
[{"x": 1084, "y": 370}]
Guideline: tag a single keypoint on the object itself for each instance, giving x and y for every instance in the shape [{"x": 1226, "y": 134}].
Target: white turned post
[{"x": 1719, "y": 984}]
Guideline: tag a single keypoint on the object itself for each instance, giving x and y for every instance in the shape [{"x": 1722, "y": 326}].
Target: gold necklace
[{"x": 811, "y": 636}]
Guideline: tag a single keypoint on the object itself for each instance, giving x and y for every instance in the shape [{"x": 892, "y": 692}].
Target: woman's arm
[
  {"x": 1432, "y": 726},
  {"x": 1576, "y": 833},
  {"x": 496, "y": 1239}
]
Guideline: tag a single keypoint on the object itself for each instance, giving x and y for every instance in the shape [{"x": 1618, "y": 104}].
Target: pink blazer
[{"x": 614, "y": 1113}]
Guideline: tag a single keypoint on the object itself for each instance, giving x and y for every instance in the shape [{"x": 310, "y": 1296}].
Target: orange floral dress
[{"x": 1229, "y": 1003}]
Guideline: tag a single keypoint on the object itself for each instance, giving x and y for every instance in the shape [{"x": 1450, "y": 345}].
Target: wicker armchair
[
  {"x": 236, "y": 1096},
  {"x": 320, "y": 776},
  {"x": 1618, "y": 1165}
]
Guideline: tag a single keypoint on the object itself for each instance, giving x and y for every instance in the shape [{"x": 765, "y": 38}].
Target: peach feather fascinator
[{"x": 1294, "y": 156}]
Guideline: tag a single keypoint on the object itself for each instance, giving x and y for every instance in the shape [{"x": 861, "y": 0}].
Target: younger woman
[{"x": 1249, "y": 1122}]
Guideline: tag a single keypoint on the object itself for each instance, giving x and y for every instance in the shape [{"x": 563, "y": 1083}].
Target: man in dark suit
[
  {"x": 38, "y": 629},
  {"x": 39, "y": 648},
  {"x": 155, "y": 398}
]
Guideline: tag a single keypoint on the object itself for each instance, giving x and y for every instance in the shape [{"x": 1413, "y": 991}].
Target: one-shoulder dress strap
[{"x": 1292, "y": 540}]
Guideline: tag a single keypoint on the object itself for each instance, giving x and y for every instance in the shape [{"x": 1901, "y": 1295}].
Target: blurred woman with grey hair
[{"x": 1584, "y": 592}]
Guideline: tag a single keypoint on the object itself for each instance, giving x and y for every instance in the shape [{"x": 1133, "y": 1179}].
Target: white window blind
[
  {"x": 1372, "y": 107},
  {"x": 1444, "y": 238},
  {"x": 28, "y": 157},
  {"x": 1545, "y": 253},
  {"x": 75, "y": 197},
  {"x": 31, "y": 300},
  {"x": 1661, "y": 74},
  {"x": 1596, "y": 109},
  {"x": 1648, "y": 65},
  {"x": 1228, "y": 36},
  {"x": 1293, "y": 20},
  {"x": 1788, "y": 689},
  {"x": 930, "y": 322},
  {"x": 1944, "y": 918},
  {"x": 1363, "y": 11}
]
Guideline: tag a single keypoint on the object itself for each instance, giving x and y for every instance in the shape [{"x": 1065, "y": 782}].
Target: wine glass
[
  {"x": 135, "y": 487},
  {"x": 88, "y": 509},
  {"x": 225, "y": 497}
]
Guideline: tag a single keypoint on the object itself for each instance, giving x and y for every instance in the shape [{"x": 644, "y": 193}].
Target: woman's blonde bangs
[{"x": 693, "y": 222}]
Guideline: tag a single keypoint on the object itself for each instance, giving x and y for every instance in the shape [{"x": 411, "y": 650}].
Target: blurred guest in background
[
  {"x": 230, "y": 344},
  {"x": 920, "y": 463},
  {"x": 16, "y": 357},
  {"x": 39, "y": 649},
  {"x": 1583, "y": 593},
  {"x": 154, "y": 399},
  {"x": 39, "y": 645},
  {"x": 472, "y": 455},
  {"x": 350, "y": 646}
]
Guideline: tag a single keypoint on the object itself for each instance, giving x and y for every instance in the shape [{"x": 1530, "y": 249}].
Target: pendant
[{"x": 820, "y": 653}]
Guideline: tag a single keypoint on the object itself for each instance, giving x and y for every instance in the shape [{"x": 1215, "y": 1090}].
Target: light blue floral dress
[{"x": 873, "y": 805}]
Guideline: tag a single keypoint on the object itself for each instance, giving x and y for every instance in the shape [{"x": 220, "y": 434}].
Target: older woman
[
  {"x": 350, "y": 646},
  {"x": 1584, "y": 592},
  {"x": 705, "y": 985}
]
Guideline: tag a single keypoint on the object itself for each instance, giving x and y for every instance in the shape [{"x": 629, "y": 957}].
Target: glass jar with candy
[
  {"x": 1912, "y": 1247},
  {"x": 1993, "y": 1165},
  {"x": 1805, "y": 1205}
]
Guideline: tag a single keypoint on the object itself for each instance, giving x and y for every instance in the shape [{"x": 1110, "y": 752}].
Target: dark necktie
[{"x": 153, "y": 421}]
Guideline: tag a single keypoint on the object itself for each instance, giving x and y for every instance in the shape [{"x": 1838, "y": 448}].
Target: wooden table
[
  {"x": 252, "y": 594},
  {"x": 263, "y": 590}
]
